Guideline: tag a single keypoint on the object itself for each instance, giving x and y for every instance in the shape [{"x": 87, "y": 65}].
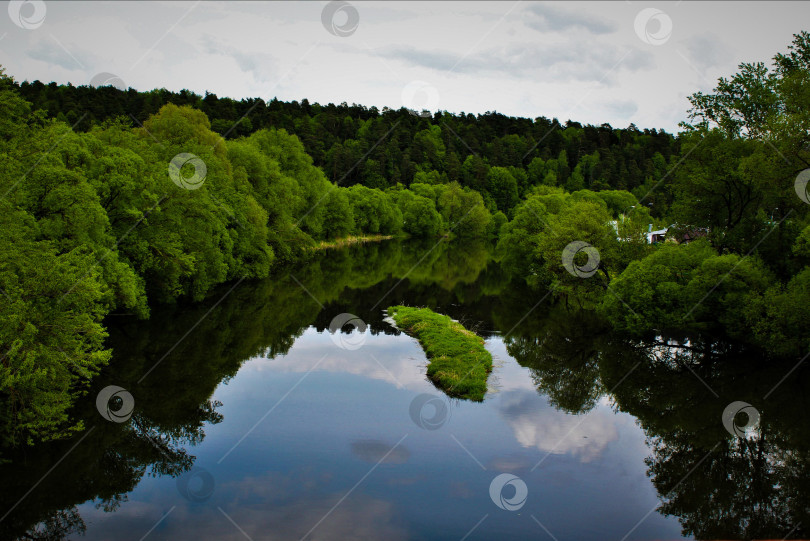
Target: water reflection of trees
[
  {"x": 734, "y": 488},
  {"x": 563, "y": 359},
  {"x": 173, "y": 402},
  {"x": 719, "y": 485},
  {"x": 716, "y": 484}
]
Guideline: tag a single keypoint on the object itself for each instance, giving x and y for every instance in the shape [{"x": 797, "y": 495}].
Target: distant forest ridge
[{"x": 354, "y": 144}]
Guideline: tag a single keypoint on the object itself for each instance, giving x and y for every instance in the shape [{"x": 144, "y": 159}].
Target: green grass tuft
[{"x": 459, "y": 363}]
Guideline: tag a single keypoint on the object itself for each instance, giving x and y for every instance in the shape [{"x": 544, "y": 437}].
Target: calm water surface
[{"x": 260, "y": 423}]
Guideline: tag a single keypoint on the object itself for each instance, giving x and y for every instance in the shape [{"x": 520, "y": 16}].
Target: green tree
[
  {"x": 50, "y": 330},
  {"x": 503, "y": 188},
  {"x": 374, "y": 211},
  {"x": 778, "y": 317},
  {"x": 579, "y": 222},
  {"x": 686, "y": 287},
  {"x": 419, "y": 215},
  {"x": 463, "y": 211},
  {"x": 338, "y": 214},
  {"x": 474, "y": 172}
]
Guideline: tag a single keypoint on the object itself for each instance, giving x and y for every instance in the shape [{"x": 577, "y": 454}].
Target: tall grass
[
  {"x": 459, "y": 363},
  {"x": 350, "y": 240}
]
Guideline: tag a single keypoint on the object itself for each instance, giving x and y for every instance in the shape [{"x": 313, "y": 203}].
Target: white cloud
[
  {"x": 380, "y": 452},
  {"x": 546, "y": 17},
  {"x": 557, "y": 62},
  {"x": 707, "y": 51},
  {"x": 399, "y": 360},
  {"x": 52, "y": 54},
  {"x": 625, "y": 108},
  {"x": 551, "y": 431},
  {"x": 262, "y": 66}
]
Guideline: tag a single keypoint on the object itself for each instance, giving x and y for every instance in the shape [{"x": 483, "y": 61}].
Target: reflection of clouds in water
[
  {"x": 511, "y": 463},
  {"x": 398, "y": 360},
  {"x": 272, "y": 506},
  {"x": 377, "y": 451},
  {"x": 278, "y": 506},
  {"x": 358, "y": 517},
  {"x": 274, "y": 487},
  {"x": 132, "y": 509},
  {"x": 406, "y": 481},
  {"x": 461, "y": 490},
  {"x": 536, "y": 424}
]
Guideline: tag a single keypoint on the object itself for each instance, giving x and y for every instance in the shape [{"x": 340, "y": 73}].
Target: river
[{"x": 251, "y": 418}]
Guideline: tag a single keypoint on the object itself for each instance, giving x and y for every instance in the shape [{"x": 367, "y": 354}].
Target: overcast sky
[{"x": 594, "y": 62}]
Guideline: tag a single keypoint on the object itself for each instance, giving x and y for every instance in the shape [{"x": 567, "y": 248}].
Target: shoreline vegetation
[
  {"x": 351, "y": 240},
  {"x": 459, "y": 363}
]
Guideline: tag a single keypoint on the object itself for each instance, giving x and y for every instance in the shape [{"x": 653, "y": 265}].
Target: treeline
[{"x": 500, "y": 157}]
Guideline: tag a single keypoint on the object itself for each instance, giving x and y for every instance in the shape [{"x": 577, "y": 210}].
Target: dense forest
[
  {"x": 112, "y": 200},
  {"x": 496, "y": 155}
]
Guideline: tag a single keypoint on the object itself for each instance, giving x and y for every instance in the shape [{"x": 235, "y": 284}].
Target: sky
[{"x": 592, "y": 62}]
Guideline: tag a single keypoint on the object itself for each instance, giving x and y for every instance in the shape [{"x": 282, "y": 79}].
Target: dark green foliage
[
  {"x": 399, "y": 147},
  {"x": 503, "y": 188},
  {"x": 92, "y": 223},
  {"x": 779, "y": 317},
  {"x": 498, "y": 221},
  {"x": 459, "y": 363},
  {"x": 374, "y": 211},
  {"x": 462, "y": 210},
  {"x": 685, "y": 288},
  {"x": 533, "y": 243},
  {"x": 733, "y": 184},
  {"x": 50, "y": 329},
  {"x": 419, "y": 215}
]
